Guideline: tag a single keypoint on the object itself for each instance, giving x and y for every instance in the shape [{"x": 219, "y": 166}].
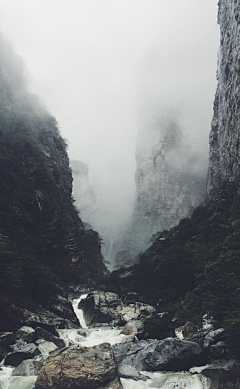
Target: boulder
[
  {"x": 101, "y": 307},
  {"x": 82, "y": 332},
  {"x": 47, "y": 320},
  {"x": 167, "y": 354},
  {"x": 27, "y": 368},
  {"x": 189, "y": 329},
  {"x": 224, "y": 374},
  {"x": 26, "y": 334},
  {"x": 130, "y": 372},
  {"x": 213, "y": 337},
  {"x": 133, "y": 327},
  {"x": 136, "y": 311},
  {"x": 40, "y": 333},
  {"x": 80, "y": 367},
  {"x": 199, "y": 337},
  {"x": 21, "y": 351},
  {"x": 63, "y": 308},
  {"x": 46, "y": 347}
]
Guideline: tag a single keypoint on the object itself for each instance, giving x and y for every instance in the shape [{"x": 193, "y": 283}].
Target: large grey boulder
[
  {"x": 159, "y": 355},
  {"x": 80, "y": 367},
  {"x": 21, "y": 351}
]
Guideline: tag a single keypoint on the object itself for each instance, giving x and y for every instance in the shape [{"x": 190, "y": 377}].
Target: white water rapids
[{"x": 100, "y": 335}]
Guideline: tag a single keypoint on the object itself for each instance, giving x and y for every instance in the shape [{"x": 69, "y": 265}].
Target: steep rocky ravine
[{"x": 43, "y": 241}]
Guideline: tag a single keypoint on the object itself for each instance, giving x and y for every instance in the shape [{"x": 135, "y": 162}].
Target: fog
[{"x": 107, "y": 68}]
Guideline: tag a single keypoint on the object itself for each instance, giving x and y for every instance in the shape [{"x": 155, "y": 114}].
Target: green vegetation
[
  {"x": 194, "y": 268},
  {"x": 40, "y": 229}
]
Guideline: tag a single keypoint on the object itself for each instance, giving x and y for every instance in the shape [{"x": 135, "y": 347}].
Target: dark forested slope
[{"x": 41, "y": 233}]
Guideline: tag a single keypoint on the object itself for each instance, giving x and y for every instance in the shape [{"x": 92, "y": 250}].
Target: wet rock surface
[
  {"x": 40, "y": 333},
  {"x": 126, "y": 371},
  {"x": 21, "y": 351},
  {"x": 159, "y": 355},
  {"x": 78, "y": 367},
  {"x": 27, "y": 367},
  {"x": 107, "y": 307},
  {"x": 223, "y": 374}
]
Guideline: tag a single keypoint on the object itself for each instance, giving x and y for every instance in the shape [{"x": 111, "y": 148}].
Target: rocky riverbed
[{"x": 105, "y": 346}]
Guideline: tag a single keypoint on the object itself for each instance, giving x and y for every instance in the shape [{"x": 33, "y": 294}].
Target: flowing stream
[{"x": 96, "y": 336}]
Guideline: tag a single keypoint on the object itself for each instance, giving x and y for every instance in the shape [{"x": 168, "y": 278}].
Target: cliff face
[
  {"x": 82, "y": 191},
  {"x": 225, "y": 131},
  {"x": 170, "y": 183},
  {"x": 41, "y": 234}
]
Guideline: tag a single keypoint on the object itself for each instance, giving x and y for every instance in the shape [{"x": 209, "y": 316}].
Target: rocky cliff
[
  {"x": 170, "y": 183},
  {"x": 42, "y": 239},
  {"x": 224, "y": 136}
]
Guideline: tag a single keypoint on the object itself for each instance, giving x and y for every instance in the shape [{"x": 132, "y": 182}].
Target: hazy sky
[{"x": 97, "y": 63}]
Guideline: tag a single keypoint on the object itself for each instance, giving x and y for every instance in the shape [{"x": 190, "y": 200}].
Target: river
[{"x": 180, "y": 380}]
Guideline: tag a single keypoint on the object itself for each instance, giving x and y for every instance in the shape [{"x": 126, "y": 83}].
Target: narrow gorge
[{"x": 170, "y": 318}]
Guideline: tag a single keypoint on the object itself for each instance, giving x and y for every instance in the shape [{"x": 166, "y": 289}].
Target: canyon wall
[{"x": 225, "y": 130}]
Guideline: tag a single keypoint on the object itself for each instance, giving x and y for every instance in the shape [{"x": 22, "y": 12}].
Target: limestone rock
[{"x": 80, "y": 367}]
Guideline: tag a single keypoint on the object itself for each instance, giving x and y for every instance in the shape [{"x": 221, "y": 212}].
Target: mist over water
[{"x": 109, "y": 71}]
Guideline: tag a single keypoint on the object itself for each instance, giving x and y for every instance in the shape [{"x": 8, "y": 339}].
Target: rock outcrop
[
  {"x": 80, "y": 367},
  {"x": 107, "y": 307},
  {"x": 159, "y": 355},
  {"x": 44, "y": 242},
  {"x": 170, "y": 183},
  {"x": 225, "y": 131}
]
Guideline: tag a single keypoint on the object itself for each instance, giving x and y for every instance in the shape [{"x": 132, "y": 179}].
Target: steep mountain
[
  {"x": 170, "y": 183},
  {"x": 193, "y": 269},
  {"x": 225, "y": 131},
  {"x": 43, "y": 242}
]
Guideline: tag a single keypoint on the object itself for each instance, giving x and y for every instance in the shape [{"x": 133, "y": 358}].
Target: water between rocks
[{"x": 101, "y": 335}]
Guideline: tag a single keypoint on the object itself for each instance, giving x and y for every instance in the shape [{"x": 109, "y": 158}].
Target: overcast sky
[{"x": 95, "y": 63}]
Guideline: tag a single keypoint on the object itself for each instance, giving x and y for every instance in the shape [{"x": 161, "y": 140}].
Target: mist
[{"x": 109, "y": 69}]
